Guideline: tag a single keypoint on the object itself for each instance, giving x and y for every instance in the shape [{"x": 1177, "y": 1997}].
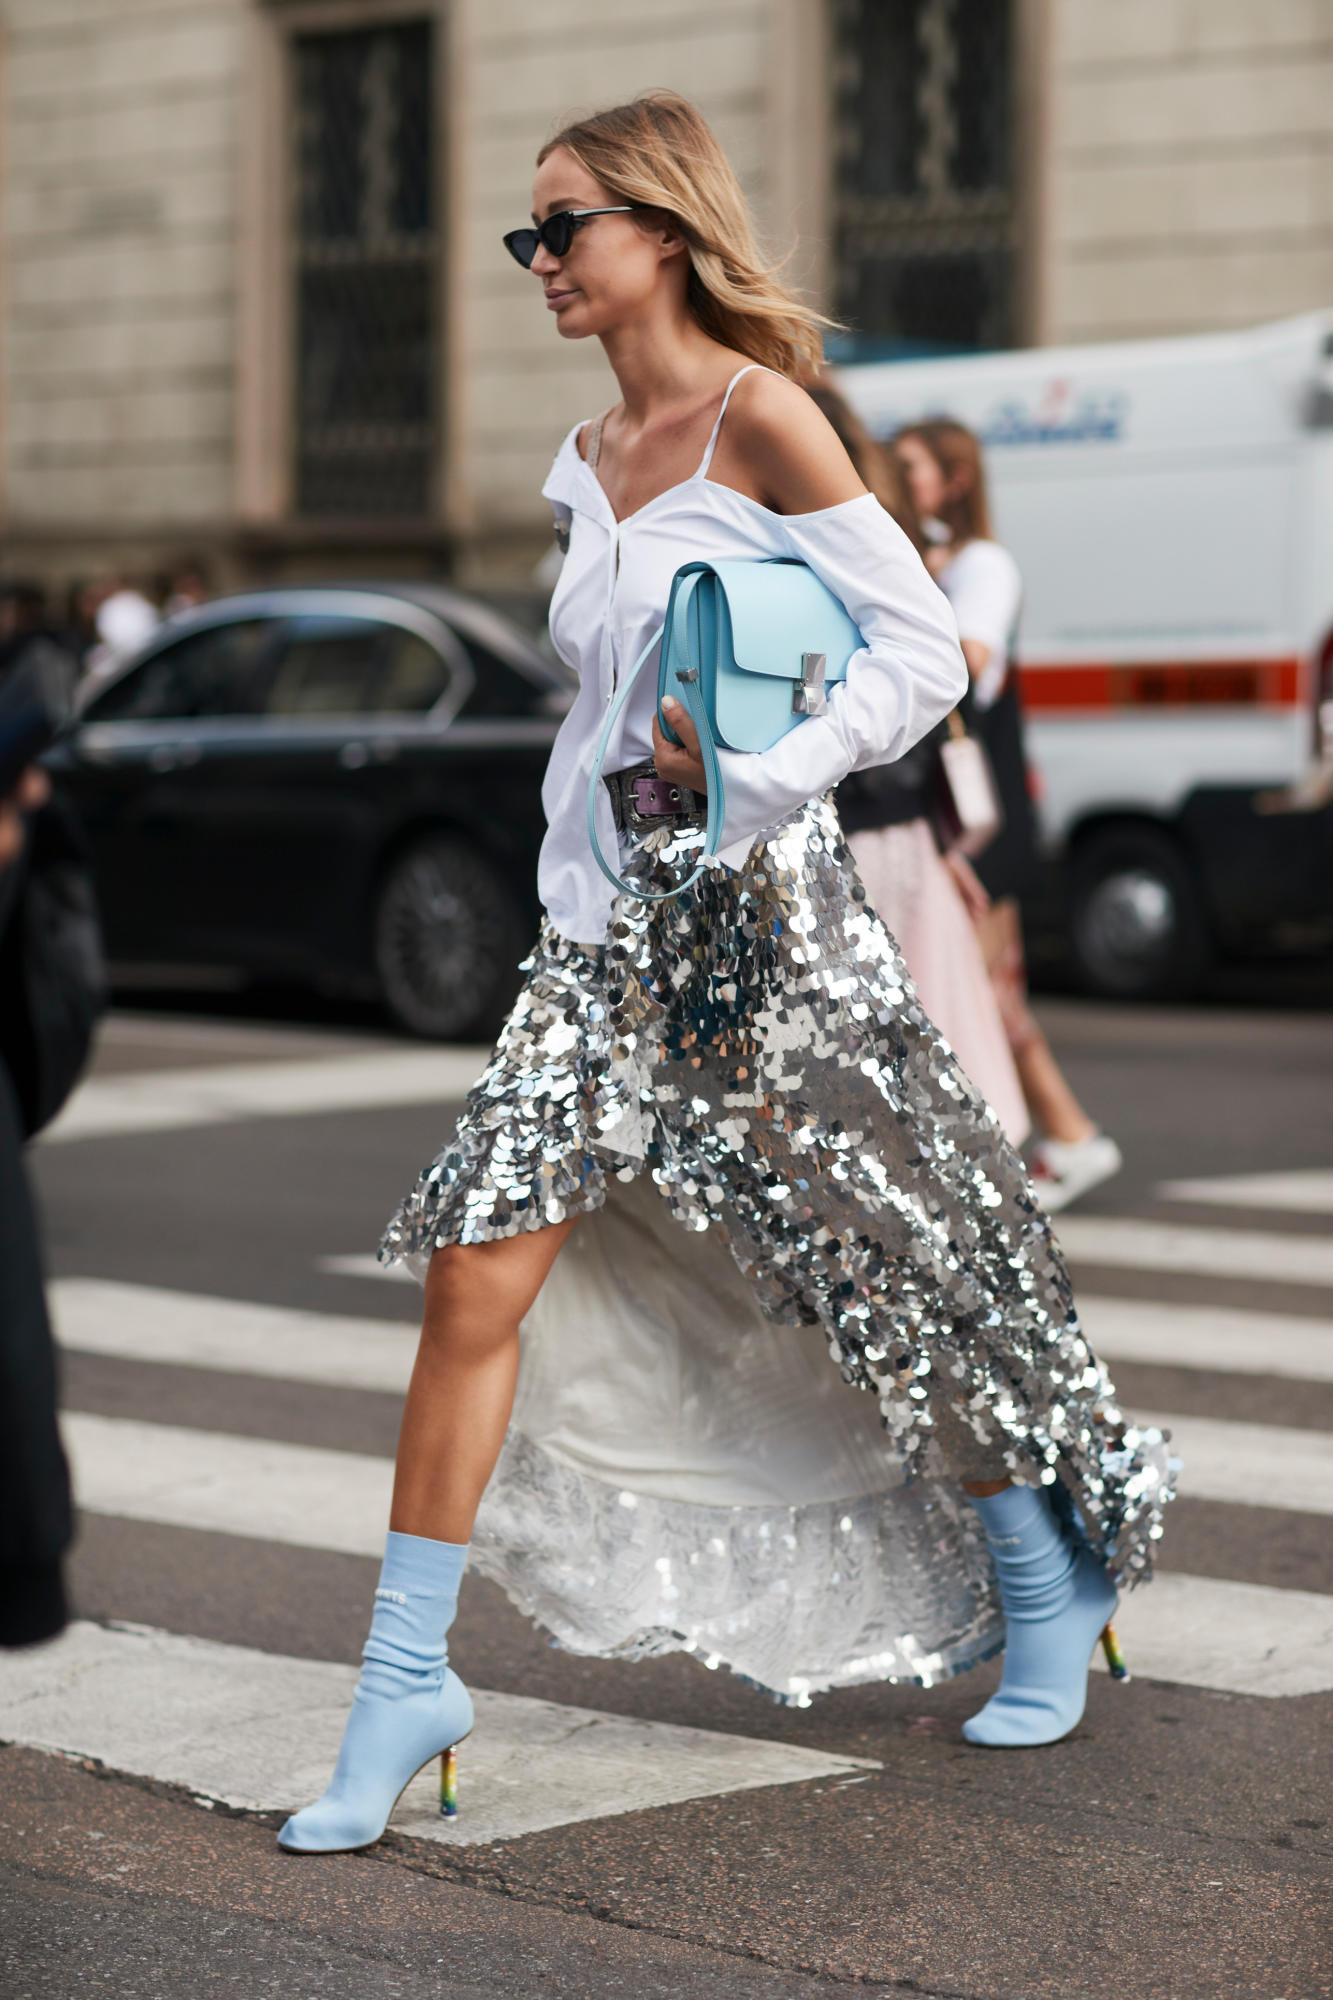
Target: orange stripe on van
[{"x": 1264, "y": 683}]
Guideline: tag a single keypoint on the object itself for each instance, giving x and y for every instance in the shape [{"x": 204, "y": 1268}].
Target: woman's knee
[{"x": 476, "y": 1293}]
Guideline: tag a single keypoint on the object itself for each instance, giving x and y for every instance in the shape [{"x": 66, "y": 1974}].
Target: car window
[
  {"x": 208, "y": 672},
  {"x": 353, "y": 666},
  {"x": 500, "y": 689}
]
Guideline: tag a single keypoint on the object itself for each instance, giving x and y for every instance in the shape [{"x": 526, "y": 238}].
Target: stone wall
[
  {"x": 1188, "y": 184},
  {"x": 1191, "y": 180},
  {"x": 119, "y": 222}
]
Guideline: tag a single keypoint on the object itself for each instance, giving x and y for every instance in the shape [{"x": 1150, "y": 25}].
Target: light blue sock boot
[
  {"x": 409, "y": 1705},
  {"x": 1056, "y": 1601}
]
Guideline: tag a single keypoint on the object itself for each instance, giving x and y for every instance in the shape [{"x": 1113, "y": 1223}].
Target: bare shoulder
[{"x": 791, "y": 455}]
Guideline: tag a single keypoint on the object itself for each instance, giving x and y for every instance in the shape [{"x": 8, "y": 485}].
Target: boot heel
[
  {"x": 1115, "y": 1659},
  {"x": 449, "y": 1782}
]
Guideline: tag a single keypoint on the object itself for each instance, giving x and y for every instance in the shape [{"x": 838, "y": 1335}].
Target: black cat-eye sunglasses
[{"x": 555, "y": 234}]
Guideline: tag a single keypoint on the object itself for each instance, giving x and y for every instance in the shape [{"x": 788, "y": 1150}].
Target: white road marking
[
  {"x": 1240, "y": 1638},
  {"x": 313, "y": 1498},
  {"x": 187, "y": 1329},
  {"x": 190, "y": 1329},
  {"x": 1250, "y": 1465},
  {"x": 1306, "y": 1190},
  {"x": 1209, "y": 1337},
  {"x": 1127, "y": 1242},
  {"x": 298, "y": 1494},
  {"x": 261, "y": 1731},
  {"x": 364, "y": 1264},
  {"x": 175, "y": 1099}
]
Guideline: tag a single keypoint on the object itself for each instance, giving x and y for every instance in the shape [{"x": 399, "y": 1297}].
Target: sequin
[{"x": 758, "y": 1049}]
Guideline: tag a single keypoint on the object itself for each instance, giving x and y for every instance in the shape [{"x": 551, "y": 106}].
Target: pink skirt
[{"x": 918, "y": 902}]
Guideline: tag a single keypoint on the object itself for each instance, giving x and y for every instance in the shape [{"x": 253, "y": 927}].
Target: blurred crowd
[{"x": 98, "y": 622}]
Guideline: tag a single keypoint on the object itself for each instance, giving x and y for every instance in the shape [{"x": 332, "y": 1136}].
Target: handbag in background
[{"x": 970, "y": 813}]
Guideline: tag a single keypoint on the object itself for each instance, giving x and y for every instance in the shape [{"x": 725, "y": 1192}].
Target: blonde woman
[{"x": 721, "y": 1170}]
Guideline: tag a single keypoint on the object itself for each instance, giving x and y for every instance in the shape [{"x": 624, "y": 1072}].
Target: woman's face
[
  {"x": 613, "y": 266},
  {"x": 925, "y": 476}
]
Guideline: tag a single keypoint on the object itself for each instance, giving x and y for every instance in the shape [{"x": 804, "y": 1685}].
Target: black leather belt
[{"x": 641, "y": 800}]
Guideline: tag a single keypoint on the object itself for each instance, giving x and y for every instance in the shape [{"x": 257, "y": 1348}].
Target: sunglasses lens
[
  {"x": 522, "y": 246},
  {"x": 557, "y": 233}
]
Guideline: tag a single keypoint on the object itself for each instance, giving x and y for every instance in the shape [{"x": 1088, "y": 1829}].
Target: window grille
[
  {"x": 924, "y": 175},
  {"x": 365, "y": 250}
]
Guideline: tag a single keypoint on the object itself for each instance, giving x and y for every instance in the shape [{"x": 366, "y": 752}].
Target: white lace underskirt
[{"x": 682, "y": 1473}]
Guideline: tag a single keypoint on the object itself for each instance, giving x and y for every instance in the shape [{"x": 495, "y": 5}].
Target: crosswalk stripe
[
  {"x": 148, "y": 1323},
  {"x": 1126, "y": 1241},
  {"x": 299, "y": 1494},
  {"x": 364, "y": 1264},
  {"x": 260, "y": 1731},
  {"x": 1209, "y": 1337},
  {"x": 1255, "y": 1465},
  {"x": 173, "y": 1100},
  {"x": 1305, "y": 1190},
  {"x": 1239, "y": 1638},
  {"x": 186, "y": 1329},
  {"x": 309, "y": 1497}
]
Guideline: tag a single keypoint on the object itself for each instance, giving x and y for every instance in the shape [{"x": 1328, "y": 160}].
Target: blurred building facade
[{"x": 254, "y": 304}]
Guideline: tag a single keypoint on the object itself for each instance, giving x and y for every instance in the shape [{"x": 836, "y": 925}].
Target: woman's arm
[{"x": 909, "y": 673}]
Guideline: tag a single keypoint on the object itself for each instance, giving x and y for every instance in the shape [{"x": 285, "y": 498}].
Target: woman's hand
[
  {"x": 32, "y": 791},
  {"x": 969, "y": 883},
  {"x": 679, "y": 764}
]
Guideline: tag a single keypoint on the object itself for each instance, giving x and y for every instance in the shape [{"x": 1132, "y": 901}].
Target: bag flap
[{"x": 779, "y": 610}]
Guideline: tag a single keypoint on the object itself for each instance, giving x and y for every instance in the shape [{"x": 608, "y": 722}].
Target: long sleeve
[{"x": 906, "y": 678}]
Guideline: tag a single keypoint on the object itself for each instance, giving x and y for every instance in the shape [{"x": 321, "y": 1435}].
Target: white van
[{"x": 1170, "y": 504}]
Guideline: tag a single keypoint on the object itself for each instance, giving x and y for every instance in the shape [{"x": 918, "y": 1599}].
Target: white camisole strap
[{"x": 748, "y": 369}]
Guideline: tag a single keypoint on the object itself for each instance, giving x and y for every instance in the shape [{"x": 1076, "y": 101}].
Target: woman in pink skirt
[{"x": 927, "y": 900}]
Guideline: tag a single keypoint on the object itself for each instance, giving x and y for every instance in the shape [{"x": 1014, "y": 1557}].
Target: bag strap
[{"x": 691, "y": 697}]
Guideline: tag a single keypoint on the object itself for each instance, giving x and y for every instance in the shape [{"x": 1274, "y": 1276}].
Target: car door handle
[{"x": 353, "y": 756}]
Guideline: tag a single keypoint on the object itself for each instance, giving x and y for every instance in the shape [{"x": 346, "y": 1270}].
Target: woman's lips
[{"x": 555, "y": 299}]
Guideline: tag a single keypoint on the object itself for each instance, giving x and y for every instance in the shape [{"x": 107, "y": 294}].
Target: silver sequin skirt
[{"x": 831, "y": 1185}]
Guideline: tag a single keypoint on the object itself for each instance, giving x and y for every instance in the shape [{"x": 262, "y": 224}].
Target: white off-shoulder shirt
[{"x": 610, "y": 598}]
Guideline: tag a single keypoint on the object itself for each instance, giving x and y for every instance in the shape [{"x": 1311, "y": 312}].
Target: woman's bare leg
[
  {"x": 1056, "y": 1112},
  {"x": 462, "y": 1387}
]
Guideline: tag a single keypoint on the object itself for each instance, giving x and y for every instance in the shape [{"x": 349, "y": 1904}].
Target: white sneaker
[{"x": 1066, "y": 1169}]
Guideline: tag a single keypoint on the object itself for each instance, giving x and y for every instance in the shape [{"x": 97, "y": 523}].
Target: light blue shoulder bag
[{"x": 748, "y": 649}]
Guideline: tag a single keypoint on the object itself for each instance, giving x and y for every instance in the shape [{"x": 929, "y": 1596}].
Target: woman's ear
[{"x": 667, "y": 233}]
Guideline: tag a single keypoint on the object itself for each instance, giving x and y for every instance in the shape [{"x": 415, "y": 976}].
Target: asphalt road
[{"x": 1176, "y": 1845}]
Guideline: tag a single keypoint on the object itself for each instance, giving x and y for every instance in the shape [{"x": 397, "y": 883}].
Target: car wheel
[
  {"x": 448, "y": 938},
  {"x": 1137, "y": 927}
]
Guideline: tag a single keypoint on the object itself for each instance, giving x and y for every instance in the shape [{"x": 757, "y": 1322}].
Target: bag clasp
[{"x": 808, "y": 696}]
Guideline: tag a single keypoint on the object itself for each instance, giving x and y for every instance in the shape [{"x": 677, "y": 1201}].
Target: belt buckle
[{"x": 653, "y": 799}]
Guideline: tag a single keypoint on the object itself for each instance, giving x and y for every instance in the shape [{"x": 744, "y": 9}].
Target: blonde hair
[
  {"x": 659, "y": 154},
  {"x": 957, "y": 452}
]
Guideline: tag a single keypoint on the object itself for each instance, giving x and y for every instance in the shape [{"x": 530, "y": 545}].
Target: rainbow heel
[
  {"x": 1115, "y": 1659},
  {"x": 449, "y": 1782}
]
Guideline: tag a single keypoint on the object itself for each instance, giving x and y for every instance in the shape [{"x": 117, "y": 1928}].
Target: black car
[{"x": 333, "y": 785}]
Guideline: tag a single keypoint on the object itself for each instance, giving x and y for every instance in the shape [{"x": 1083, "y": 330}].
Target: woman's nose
[{"x": 543, "y": 263}]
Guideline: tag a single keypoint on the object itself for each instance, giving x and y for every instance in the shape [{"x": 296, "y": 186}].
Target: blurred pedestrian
[
  {"x": 187, "y": 587},
  {"x": 51, "y": 992},
  {"x": 124, "y": 618},
  {"x": 28, "y": 634},
  {"x": 723, "y": 1092},
  {"x": 945, "y": 472},
  {"x": 889, "y": 814}
]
